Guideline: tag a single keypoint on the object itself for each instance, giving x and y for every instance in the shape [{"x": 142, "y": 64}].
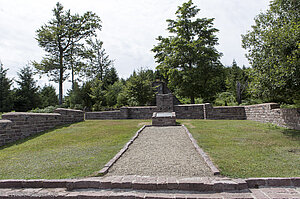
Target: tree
[
  {"x": 110, "y": 77},
  {"x": 27, "y": 96},
  {"x": 236, "y": 81},
  {"x": 273, "y": 47},
  {"x": 6, "y": 94},
  {"x": 99, "y": 63},
  {"x": 188, "y": 58},
  {"x": 48, "y": 96},
  {"x": 113, "y": 92},
  {"x": 58, "y": 37},
  {"x": 139, "y": 90}
]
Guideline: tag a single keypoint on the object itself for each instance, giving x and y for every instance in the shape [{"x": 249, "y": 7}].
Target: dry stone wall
[{"x": 17, "y": 125}]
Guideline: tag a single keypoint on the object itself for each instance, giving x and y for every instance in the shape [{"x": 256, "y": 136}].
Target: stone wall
[
  {"x": 189, "y": 111},
  {"x": 225, "y": 112},
  {"x": 142, "y": 112},
  {"x": 270, "y": 112},
  {"x": 18, "y": 125}
]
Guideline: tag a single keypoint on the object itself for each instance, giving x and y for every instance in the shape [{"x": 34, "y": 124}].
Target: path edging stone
[
  {"x": 110, "y": 163},
  {"x": 204, "y": 155}
]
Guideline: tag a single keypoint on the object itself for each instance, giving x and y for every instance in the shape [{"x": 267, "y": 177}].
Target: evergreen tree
[
  {"x": 99, "y": 63},
  {"x": 48, "y": 96},
  {"x": 188, "y": 58},
  {"x": 27, "y": 96},
  {"x": 59, "y": 37},
  {"x": 6, "y": 94}
]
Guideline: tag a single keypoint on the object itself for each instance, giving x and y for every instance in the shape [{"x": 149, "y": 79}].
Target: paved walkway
[
  {"x": 286, "y": 192},
  {"x": 162, "y": 151}
]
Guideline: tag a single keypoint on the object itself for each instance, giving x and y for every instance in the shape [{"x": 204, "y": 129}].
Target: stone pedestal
[{"x": 164, "y": 119}]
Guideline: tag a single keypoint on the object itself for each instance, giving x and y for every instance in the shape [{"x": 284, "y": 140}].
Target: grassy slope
[
  {"x": 247, "y": 148},
  {"x": 67, "y": 152}
]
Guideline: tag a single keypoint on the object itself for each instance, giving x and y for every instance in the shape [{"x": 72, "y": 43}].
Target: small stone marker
[{"x": 164, "y": 119}]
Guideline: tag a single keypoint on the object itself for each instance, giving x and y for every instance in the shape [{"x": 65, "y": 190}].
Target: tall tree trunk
[
  {"x": 238, "y": 92},
  {"x": 192, "y": 100},
  {"x": 61, "y": 76}
]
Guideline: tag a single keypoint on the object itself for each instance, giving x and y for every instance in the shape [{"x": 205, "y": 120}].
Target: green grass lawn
[
  {"x": 77, "y": 150},
  {"x": 243, "y": 149}
]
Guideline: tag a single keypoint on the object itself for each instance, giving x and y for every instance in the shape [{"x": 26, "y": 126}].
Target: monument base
[{"x": 164, "y": 119}]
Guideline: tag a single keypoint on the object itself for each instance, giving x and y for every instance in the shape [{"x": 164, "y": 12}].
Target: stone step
[
  {"x": 198, "y": 184},
  {"x": 62, "y": 193}
]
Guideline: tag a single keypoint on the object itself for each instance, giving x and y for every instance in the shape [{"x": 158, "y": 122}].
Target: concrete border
[
  {"x": 110, "y": 163},
  {"x": 202, "y": 153}
]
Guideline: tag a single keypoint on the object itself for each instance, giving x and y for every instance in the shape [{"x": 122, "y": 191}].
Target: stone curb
[
  {"x": 202, "y": 153},
  {"x": 109, "y": 164},
  {"x": 202, "y": 184}
]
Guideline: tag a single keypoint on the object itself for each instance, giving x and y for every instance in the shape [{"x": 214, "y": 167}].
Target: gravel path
[{"x": 161, "y": 151}]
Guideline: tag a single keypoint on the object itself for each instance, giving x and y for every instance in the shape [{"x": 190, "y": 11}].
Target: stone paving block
[
  {"x": 257, "y": 193},
  {"x": 172, "y": 183},
  {"x": 241, "y": 183},
  {"x": 117, "y": 182},
  {"x": 162, "y": 183},
  {"x": 32, "y": 184},
  {"x": 279, "y": 182},
  {"x": 159, "y": 195},
  {"x": 145, "y": 183},
  {"x": 256, "y": 182},
  {"x": 127, "y": 182},
  {"x": 11, "y": 183},
  {"x": 55, "y": 183},
  {"x": 296, "y": 181}
]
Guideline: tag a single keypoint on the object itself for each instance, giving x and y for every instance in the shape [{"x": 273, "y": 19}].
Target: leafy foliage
[
  {"x": 6, "y": 94},
  {"x": 188, "y": 59},
  {"x": 273, "y": 47},
  {"x": 139, "y": 90}
]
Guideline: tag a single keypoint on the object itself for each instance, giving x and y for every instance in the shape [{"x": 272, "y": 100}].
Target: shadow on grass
[
  {"x": 294, "y": 134},
  {"x": 21, "y": 141}
]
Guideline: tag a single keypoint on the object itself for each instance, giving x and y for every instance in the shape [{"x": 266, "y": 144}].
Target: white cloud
[{"x": 129, "y": 28}]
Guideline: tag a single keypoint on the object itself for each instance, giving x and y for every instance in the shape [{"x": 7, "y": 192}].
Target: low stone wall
[
  {"x": 270, "y": 112},
  {"x": 17, "y": 125},
  {"x": 189, "y": 111},
  {"x": 143, "y": 112},
  {"x": 103, "y": 115},
  {"x": 225, "y": 113}
]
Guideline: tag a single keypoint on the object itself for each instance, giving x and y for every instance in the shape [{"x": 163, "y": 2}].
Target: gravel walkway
[{"x": 161, "y": 151}]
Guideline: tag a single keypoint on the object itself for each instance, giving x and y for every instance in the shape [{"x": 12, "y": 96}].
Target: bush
[
  {"x": 225, "y": 99},
  {"x": 48, "y": 109}
]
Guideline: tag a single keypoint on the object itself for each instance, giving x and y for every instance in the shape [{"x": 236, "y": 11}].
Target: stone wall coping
[
  {"x": 66, "y": 109},
  {"x": 263, "y": 104},
  {"x": 116, "y": 111},
  {"x": 228, "y": 107},
  {"x": 182, "y": 105},
  {"x": 135, "y": 107},
  {"x": 30, "y": 114},
  {"x": 5, "y": 121}
]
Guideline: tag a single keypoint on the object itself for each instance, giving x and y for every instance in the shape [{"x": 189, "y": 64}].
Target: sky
[{"x": 129, "y": 29}]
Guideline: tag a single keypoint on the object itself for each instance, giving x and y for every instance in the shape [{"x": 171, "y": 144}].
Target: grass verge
[
  {"x": 243, "y": 149},
  {"x": 77, "y": 150}
]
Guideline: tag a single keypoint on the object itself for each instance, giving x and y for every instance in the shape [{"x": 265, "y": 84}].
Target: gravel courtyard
[{"x": 162, "y": 151}]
